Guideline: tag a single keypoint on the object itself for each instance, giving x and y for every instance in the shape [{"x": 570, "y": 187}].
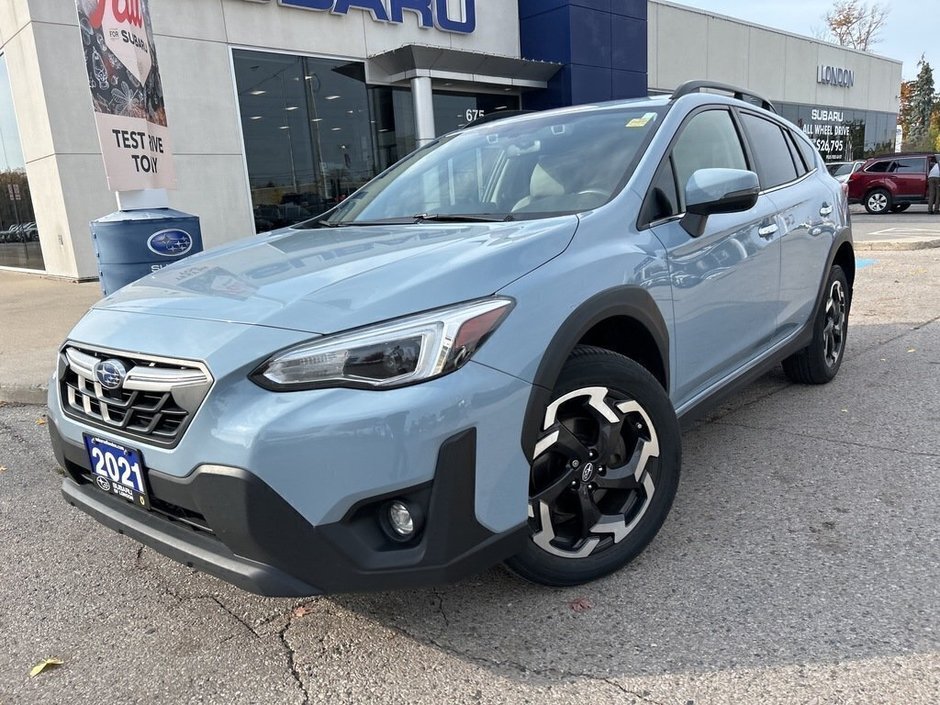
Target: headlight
[{"x": 391, "y": 354}]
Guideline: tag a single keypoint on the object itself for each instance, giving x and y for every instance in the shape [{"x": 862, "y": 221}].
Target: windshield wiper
[
  {"x": 420, "y": 218},
  {"x": 406, "y": 220},
  {"x": 463, "y": 217}
]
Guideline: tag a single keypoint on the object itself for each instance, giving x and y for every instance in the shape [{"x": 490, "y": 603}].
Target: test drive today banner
[{"x": 127, "y": 93}]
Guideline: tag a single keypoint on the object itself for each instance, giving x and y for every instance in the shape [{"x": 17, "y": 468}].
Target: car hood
[{"x": 330, "y": 279}]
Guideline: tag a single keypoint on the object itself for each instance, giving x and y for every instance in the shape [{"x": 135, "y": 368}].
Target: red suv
[{"x": 891, "y": 182}]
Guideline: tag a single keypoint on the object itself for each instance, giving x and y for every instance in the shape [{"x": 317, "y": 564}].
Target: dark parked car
[{"x": 891, "y": 182}]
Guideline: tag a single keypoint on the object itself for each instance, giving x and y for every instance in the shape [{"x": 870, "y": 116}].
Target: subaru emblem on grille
[{"x": 110, "y": 373}]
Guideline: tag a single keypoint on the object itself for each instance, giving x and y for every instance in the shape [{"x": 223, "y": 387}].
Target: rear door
[
  {"x": 725, "y": 284},
  {"x": 805, "y": 211},
  {"x": 910, "y": 176}
]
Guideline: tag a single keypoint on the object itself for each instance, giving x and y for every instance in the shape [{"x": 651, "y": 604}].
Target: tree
[
  {"x": 933, "y": 132},
  {"x": 905, "y": 111},
  {"x": 856, "y": 24},
  {"x": 918, "y": 104}
]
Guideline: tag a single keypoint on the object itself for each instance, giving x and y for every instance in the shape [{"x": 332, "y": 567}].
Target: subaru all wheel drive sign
[{"x": 127, "y": 93}]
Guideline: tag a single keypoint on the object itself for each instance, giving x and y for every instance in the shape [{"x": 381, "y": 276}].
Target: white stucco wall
[{"x": 687, "y": 43}]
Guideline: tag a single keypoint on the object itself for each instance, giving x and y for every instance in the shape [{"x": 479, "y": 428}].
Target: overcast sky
[{"x": 912, "y": 29}]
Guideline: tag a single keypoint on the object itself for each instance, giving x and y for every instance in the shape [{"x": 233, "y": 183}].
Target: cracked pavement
[{"x": 800, "y": 564}]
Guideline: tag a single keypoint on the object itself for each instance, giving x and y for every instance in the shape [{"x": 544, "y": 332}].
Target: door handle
[
  {"x": 825, "y": 210},
  {"x": 767, "y": 231}
]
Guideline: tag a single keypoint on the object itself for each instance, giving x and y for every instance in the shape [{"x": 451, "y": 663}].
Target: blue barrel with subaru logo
[{"x": 130, "y": 245}]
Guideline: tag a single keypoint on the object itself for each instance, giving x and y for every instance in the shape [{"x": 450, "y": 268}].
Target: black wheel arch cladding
[{"x": 623, "y": 301}]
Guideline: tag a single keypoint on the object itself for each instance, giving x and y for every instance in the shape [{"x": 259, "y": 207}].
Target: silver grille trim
[
  {"x": 155, "y": 403},
  {"x": 145, "y": 379}
]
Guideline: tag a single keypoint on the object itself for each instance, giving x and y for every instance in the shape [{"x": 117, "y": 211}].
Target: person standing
[{"x": 933, "y": 187}]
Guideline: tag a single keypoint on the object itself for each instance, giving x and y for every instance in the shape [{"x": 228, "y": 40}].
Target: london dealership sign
[
  {"x": 432, "y": 14},
  {"x": 834, "y": 76}
]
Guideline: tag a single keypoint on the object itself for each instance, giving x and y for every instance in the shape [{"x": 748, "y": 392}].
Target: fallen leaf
[
  {"x": 301, "y": 611},
  {"x": 41, "y": 421},
  {"x": 43, "y": 665},
  {"x": 3, "y": 469},
  {"x": 580, "y": 604}
]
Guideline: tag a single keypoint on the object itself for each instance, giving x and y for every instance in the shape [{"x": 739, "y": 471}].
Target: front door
[{"x": 726, "y": 282}]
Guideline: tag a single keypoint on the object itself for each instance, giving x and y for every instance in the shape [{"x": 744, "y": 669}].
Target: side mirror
[{"x": 712, "y": 191}]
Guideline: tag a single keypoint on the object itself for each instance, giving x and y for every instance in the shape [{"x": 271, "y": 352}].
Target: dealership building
[{"x": 279, "y": 108}]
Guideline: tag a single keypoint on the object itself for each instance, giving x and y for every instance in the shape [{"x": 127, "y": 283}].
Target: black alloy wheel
[
  {"x": 819, "y": 362},
  {"x": 605, "y": 470}
]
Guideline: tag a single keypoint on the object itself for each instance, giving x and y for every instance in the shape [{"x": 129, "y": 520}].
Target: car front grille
[{"x": 154, "y": 402}]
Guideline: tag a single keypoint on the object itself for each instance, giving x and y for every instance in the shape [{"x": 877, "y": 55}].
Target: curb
[
  {"x": 23, "y": 394},
  {"x": 901, "y": 244}
]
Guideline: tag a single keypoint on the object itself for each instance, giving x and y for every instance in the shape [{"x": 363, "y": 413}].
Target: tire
[
  {"x": 819, "y": 362},
  {"x": 604, "y": 472},
  {"x": 878, "y": 201},
  {"x": 900, "y": 207}
]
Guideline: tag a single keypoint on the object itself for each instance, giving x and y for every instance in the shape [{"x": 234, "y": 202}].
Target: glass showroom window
[
  {"x": 842, "y": 134},
  {"x": 19, "y": 237},
  {"x": 393, "y": 122},
  {"x": 393, "y": 118},
  {"x": 455, "y": 110},
  {"x": 308, "y": 136}
]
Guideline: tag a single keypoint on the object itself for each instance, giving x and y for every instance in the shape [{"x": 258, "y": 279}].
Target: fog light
[{"x": 400, "y": 519}]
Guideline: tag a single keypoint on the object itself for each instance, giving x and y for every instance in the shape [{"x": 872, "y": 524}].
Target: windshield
[{"x": 537, "y": 166}]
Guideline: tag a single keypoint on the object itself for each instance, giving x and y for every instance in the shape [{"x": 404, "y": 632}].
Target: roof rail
[{"x": 739, "y": 93}]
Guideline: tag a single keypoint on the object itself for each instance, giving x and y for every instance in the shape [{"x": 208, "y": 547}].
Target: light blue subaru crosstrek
[{"x": 482, "y": 355}]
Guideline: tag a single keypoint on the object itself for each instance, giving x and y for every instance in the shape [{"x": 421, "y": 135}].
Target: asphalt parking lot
[
  {"x": 912, "y": 229},
  {"x": 800, "y": 564}
]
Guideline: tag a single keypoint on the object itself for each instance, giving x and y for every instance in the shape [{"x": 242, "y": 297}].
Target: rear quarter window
[
  {"x": 914, "y": 165},
  {"x": 801, "y": 167},
  {"x": 807, "y": 150}
]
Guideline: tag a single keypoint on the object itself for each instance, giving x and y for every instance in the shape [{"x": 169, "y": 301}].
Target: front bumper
[
  {"x": 230, "y": 524},
  {"x": 286, "y": 481}
]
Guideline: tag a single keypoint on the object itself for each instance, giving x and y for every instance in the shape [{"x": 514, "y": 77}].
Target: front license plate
[{"x": 118, "y": 470}]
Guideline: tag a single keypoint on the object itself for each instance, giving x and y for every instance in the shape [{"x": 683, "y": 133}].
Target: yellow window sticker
[{"x": 642, "y": 121}]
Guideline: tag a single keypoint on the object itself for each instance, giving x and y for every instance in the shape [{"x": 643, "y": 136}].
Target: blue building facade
[{"x": 601, "y": 45}]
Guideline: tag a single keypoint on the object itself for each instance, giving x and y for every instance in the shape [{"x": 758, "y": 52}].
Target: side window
[
  {"x": 774, "y": 161},
  {"x": 709, "y": 140},
  {"x": 794, "y": 152},
  {"x": 807, "y": 150},
  {"x": 880, "y": 167},
  {"x": 916, "y": 165}
]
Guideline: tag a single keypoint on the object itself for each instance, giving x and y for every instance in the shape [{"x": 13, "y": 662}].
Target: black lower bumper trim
[
  {"x": 256, "y": 540},
  {"x": 184, "y": 545}
]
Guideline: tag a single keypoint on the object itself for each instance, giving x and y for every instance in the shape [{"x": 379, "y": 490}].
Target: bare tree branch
[{"x": 856, "y": 24}]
